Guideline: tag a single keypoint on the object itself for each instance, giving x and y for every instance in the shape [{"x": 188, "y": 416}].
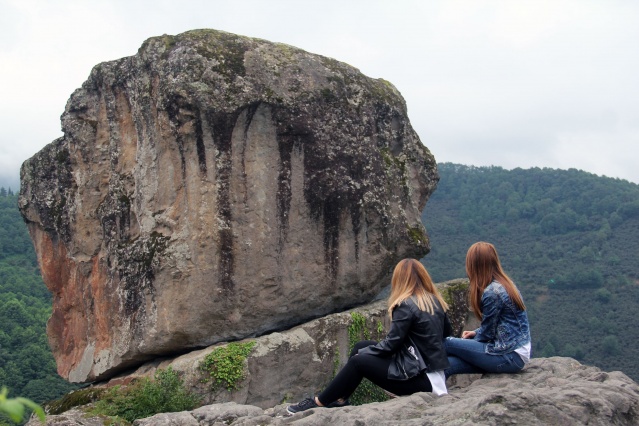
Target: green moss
[
  {"x": 224, "y": 366},
  {"x": 286, "y": 51},
  {"x": 327, "y": 95},
  {"x": 269, "y": 93},
  {"x": 73, "y": 399},
  {"x": 358, "y": 330},
  {"x": 417, "y": 235},
  {"x": 453, "y": 288},
  {"x": 124, "y": 199},
  {"x": 62, "y": 156},
  {"x": 154, "y": 245},
  {"x": 388, "y": 158},
  {"x": 228, "y": 50},
  {"x": 335, "y": 79},
  {"x": 288, "y": 397},
  {"x": 169, "y": 42},
  {"x": 386, "y": 83}
]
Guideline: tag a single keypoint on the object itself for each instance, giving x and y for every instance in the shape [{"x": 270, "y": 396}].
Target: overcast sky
[{"x": 507, "y": 83}]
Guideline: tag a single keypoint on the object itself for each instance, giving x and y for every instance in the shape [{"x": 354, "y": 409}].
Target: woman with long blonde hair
[
  {"x": 502, "y": 342},
  {"x": 419, "y": 326}
]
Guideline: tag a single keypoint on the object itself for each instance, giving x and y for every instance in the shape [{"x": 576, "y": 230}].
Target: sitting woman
[
  {"x": 502, "y": 342},
  {"x": 419, "y": 320}
]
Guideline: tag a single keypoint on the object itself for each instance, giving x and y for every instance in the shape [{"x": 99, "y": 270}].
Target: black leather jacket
[{"x": 427, "y": 331}]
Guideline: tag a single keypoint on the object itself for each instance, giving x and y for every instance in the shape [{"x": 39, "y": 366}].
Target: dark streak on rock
[
  {"x": 355, "y": 220},
  {"x": 173, "y": 110},
  {"x": 331, "y": 214},
  {"x": 250, "y": 113},
  {"x": 292, "y": 131},
  {"x": 322, "y": 190},
  {"x": 283, "y": 196},
  {"x": 222, "y": 125},
  {"x": 199, "y": 143}
]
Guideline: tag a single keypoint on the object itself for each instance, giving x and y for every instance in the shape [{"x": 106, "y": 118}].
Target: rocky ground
[{"x": 550, "y": 391}]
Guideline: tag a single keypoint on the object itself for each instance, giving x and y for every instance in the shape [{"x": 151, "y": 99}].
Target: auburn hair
[
  {"x": 482, "y": 268},
  {"x": 410, "y": 279}
]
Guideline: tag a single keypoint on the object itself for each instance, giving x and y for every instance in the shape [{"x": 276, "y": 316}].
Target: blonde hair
[
  {"x": 482, "y": 268},
  {"x": 410, "y": 279}
]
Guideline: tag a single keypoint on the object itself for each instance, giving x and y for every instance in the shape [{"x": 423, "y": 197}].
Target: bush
[
  {"x": 603, "y": 295},
  {"x": 224, "y": 366},
  {"x": 165, "y": 394},
  {"x": 611, "y": 345}
]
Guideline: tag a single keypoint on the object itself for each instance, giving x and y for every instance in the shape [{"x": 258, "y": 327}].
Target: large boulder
[{"x": 214, "y": 187}]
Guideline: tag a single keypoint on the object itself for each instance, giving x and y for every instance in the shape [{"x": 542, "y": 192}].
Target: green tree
[
  {"x": 610, "y": 345},
  {"x": 603, "y": 295},
  {"x": 548, "y": 350}
]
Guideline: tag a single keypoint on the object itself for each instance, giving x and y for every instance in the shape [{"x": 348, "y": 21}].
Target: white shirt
[
  {"x": 438, "y": 381},
  {"x": 524, "y": 352}
]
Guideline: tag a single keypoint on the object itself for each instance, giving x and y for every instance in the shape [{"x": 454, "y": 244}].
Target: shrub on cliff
[{"x": 165, "y": 394}]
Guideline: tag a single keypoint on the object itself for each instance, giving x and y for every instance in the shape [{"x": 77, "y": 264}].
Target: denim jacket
[{"x": 504, "y": 327}]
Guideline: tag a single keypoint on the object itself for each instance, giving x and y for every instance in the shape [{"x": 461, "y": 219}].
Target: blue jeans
[{"x": 469, "y": 356}]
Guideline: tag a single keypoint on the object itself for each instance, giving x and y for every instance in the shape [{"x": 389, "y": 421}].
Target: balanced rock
[{"x": 214, "y": 187}]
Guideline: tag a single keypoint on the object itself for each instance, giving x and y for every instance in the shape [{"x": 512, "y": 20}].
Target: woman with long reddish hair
[
  {"x": 501, "y": 344},
  {"x": 419, "y": 320}
]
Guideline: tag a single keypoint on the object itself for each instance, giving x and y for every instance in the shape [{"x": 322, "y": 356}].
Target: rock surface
[
  {"x": 214, "y": 187},
  {"x": 285, "y": 366},
  {"x": 549, "y": 391}
]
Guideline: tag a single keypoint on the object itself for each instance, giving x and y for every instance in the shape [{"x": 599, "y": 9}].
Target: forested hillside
[
  {"x": 27, "y": 367},
  {"x": 569, "y": 239}
]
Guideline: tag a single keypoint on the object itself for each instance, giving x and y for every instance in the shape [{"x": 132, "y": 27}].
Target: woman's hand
[{"x": 468, "y": 334}]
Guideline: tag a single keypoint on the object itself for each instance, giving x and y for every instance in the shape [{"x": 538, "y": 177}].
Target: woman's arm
[
  {"x": 491, "y": 306},
  {"x": 402, "y": 320}
]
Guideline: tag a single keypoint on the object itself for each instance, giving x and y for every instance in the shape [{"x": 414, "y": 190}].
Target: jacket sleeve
[
  {"x": 491, "y": 306},
  {"x": 401, "y": 323}
]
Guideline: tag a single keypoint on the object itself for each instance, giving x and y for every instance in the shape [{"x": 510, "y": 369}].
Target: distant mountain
[{"x": 569, "y": 239}]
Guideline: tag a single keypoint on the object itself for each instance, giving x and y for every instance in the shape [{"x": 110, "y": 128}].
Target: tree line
[{"x": 568, "y": 238}]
